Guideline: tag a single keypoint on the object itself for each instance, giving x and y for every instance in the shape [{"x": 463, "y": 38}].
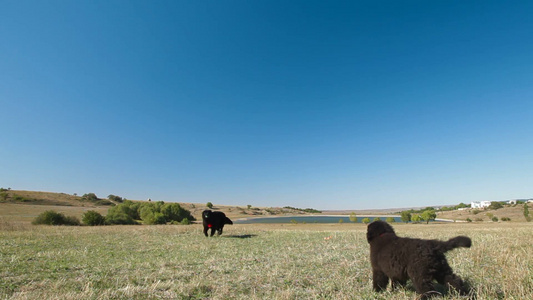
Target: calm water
[{"x": 308, "y": 219}]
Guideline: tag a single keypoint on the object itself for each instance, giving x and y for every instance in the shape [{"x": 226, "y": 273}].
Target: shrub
[
  {"x": 89, "y": 197},
  {"x": 495, "y": 205},
  {"x": 366, "y": 220},
  {"x": 476, "y": 211},
  {"x": 390, "y": 220},
  {"x": 469, "y": 220},
  {"x": 93, "y": 218},
  {"x": 158, "y": 218},
  {"x": 209, "y": 205},
  {"x": 104, "y": 202},
  {"x": 494, "y": 219},
  {"x": 406, "y": 216},
  {"x": 115, "y": 198},
  {"x": 51, "y": 217},
  {"x": 116, "y": 215},
  {"x": 505, "y": 219},
  {"x": 353, "y": 218},
  {"x": 185, "y": 222}
]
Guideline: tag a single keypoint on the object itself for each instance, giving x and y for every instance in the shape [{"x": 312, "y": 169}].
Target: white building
[{"x": 480, "y": 204}]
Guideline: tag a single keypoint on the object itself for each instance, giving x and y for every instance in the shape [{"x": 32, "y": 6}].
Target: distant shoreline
[{"x": 317, "y": 215}]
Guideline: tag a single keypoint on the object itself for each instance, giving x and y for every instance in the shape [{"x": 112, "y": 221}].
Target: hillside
[
  {"x": 514, "y": 212},
  {"x": 24, "y": 206},
  {"x": 19, "y": 205}
]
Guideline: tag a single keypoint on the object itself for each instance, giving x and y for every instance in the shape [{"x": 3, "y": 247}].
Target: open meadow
[{"x": 303, "y": 261}]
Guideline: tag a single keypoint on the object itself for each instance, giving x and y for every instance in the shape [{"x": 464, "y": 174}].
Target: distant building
[
  {"x": 480, "y": 204},
  {"x": 511, "y": 202}
]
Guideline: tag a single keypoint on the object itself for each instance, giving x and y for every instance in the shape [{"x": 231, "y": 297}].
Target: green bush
[
  {"x": 416, "y": 219},
  {"x": 469, "y": 220},
  {"x": 185, "y": 222},
  {"x": 149, "y": 212},
  {"x": 353, "y": 218},
  {"x": 390, "y": 220},
  {"x": 89, "y": 197},
  {"x": 93, "y": 218},
  {"x": 494, "y": 219},
  {"x": 366, "y": 220},
  {"x": 117, "y": 215},
  {"x": 495, "y": 205},
  {"x": 209, "y": 205},
  {"x": 51, "y": 217},
  {"x": 406, "y": 216},
  {"x": 104, "y": 202},
  {"x": 115, "y": 198}
]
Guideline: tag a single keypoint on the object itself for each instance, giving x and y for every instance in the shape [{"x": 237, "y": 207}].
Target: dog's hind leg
[
  {"x": 457, "y": 283},
  {"x": 447, "y": 277},
  {"x": 424, "y": 285},
  {"x": 379, "y": 281},
  {"x": 398, "y": 284}
]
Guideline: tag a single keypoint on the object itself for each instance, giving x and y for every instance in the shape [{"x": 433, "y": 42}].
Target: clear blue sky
[{"x": 323, "y": 104}]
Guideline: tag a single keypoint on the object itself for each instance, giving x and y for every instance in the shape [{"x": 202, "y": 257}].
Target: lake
[{"x": 309, "y": 219}]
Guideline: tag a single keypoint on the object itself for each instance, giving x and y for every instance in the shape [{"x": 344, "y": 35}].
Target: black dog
[
  {"x": 214, "y": 220},
  {"x": 422, "y": 261}
]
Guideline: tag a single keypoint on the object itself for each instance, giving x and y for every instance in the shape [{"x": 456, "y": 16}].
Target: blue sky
[{"x": 323, "y": 104}]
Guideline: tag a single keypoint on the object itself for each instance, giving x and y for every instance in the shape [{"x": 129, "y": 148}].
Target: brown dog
[{"x": 422, "y": 261}]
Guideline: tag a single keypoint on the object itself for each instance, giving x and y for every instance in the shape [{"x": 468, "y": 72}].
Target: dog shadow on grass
[
  {"x": 241, "y": 236},
  {"x": 445, "y": 291}
]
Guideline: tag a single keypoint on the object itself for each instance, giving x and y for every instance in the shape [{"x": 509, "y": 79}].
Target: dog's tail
[
  {"x": 228, "y": 221},
  {"x": 456, "y": 242}
]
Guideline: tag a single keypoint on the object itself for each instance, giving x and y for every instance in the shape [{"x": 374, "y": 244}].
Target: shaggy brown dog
[
  {"x": 422, "y": 261},
  {"x": 214, "y": 220}
]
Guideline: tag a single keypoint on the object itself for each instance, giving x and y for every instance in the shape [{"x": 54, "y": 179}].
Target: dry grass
[
  {"x": 309, "y": 261},
  {"x": 26, "y": 213},
  {"x": 515, "y": 212}
]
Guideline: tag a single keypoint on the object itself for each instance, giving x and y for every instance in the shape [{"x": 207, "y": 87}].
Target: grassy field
[{"x": 304, "y": 261}]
